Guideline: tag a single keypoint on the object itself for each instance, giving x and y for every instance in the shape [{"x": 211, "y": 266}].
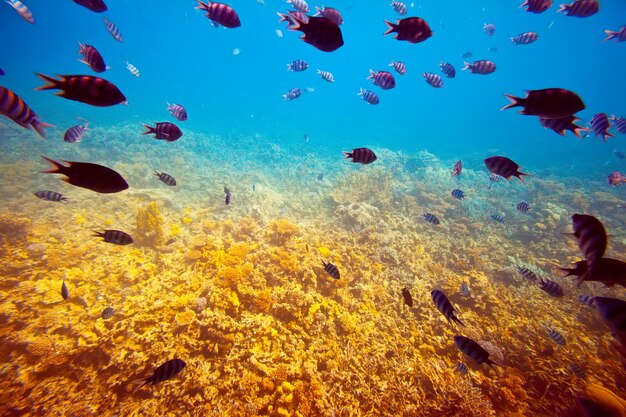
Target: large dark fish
[
  {"x": 220, "y": 13},
  {"x": 64, "y": 291},
  {"x": 503, "y": 167},
  {"x": 165, "y": 130},
  {"x": 331, "y": 270},
  {"x": 361, "y": 155},
  {"x": 13, "y": 107},
  {"x": 590, "y": 235},
  {"x": 608, "y": 271},
  {"x": 406, "y": 295},
  {"x": 613, "y": 313},
  {"x": 562, "y": 124},
  {"x": 580, "y": 8},
  {"x": 94, "y": 177},
  {"x": 84, "y": 88},
  {"x": 117, "y": 237},
  {"x": 550, "y": 103},
  {"x": 473, "y": 350},
  {"x": 162, "y": 373},
  {"x": 444, "y": 306},
  {"x": 410, "y": 29},
  {"x": 97, "y": 6},
  {"x": 537, "y": 6},
  {"x": 92, "y": 57},
  {"x": 320, "y": 32}
]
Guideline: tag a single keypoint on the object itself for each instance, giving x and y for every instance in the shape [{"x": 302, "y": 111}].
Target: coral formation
[{"x": 149, "y": 226}]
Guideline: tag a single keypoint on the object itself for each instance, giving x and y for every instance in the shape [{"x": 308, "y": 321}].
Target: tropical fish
[
  {"x": 448, "y": 69},
  {"x": 361, "y": 155},
  {"x": 162, "y": 373},
  {"x": 177, "y": 111},
  {"x": 580, "y": 8},
  {"x": 320, "y": 32},
  {"x": 525, "y": 38},
  {"x": 292, "y": 94},
  {"x": 619, "y": 35},
  {"x": 590, "y": 235},
  {"x": 299, "y": 5},
  {"x": 220, "y": 13},
  {"x": 1, "y": 72},
  {"x": 600, "y": 125},
  {"x": 166, "y": 178},
  {"x": 93, "y": 177},
  {"x": 13, "y": 107},
  {"x": 431, "y": 218},
  {"x": 483, "y": 67},
  {"x": 587, "y": 299},
  {"x": 493, "y": 178},
  {"x": 526, "y": 273},
  {"x": 556, "y": 336},
  {"x": 369, "y": 96},
  {"x": 320, "y": 177},
  {"x": 410, "y": 29},
  {"x": 462, "y": 368},
  {"x": 84, "y": 88},
  {"x": 64, "y": 291},
  {"x": 383, "y": 79},
  {"x": 444, "y": 306},
  {"x": 608, "y": 271},
  {"x": 472, "y": 349},
  {"x": 464, "y": 289},
  {"x": 298, "y": 65},
  {"x": 97, "y": 6},
  {"x": 467, "y": 54},
  {"x": 22, "y": 10},
  {"x": 537, "y": 6},
  {"x": 580, "y": 268},
  {"x": 107, "y": 313},
  {"x": 116, "y": 237},
  {"x": 616, "y": 178},
  {"x": 619, "y": 154},
  {"x": 132, "y": 69},
  {"x": 497, "y": 217},
  {"x": 561, "y": 124},
  {"x": 577, "y": 370},
  {"x": 619, "y": 123},
  {"x": 458, "y": 167},
  {"x": 551, "y": 103},
  {"x": 330, "y": 13},
  {"x": 331, "y": 270},
  {"x": 406, "y": 295},
  {"x": 433, "y": 79},
  {"x": 51, "y": 196},
  {"x": 228, "y": 196},
  {"x": 400, "y": 67},
  {"x": 164, "y": 130},
  {"x": 522, "y": 207},
  {"x": 92, "y": 58},
  {"x": 504, "y": 167},
  {"x": 113, "y": 30},
  {"x": 399, "y": 7},
  {"x": 327, "y": 76},
  {"x": 489, "y": 29},
  {"x": 75, "y": 133},
  {"x": 550, "y": 287},
  {"x": 458, "y": 194},
  {"x": 291, "y": 17},
  {"x": 613, "y": 314}
]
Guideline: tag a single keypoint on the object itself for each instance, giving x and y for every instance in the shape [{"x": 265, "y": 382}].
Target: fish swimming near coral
[
  {"x": 445, "y": 307},
  {"x": 331, "y": 270},
  {"x": 51, "y": 196},
  {"x": 177, "y": 111},
  {"x": 588, "y": 300},
  {"x": 497, "y": 217},
  {"x": 472, "y": 349},
  {"x": 13, "y": 107},
  {"x": 557, "y": 337},
  {"x": 590, "y": 235},
  {"x": 84, "y": 88},
  {"x": 608, "y": 271},
  {"x": 613, "y": 313},
  {"x": 117, "y": 237},
  {"x": 464, "y": 289},
  {"x": 166, "y": 178},
  {"x": 164, "y": 131},
  {"x": 551, "y": 287},
  {"x": 458, "y": 194},
  {"x": 107, "y": 313},
  {"x": 462, "y": 368},
  {"x": 361, "y": 156},
  {"x": 526, "y": 273},
  {"x": 431, "y": 218},
  {"x": 406, "y": 295},
  {"x": 522, "y": 207},
  {"x": 75, "y": 133},
  {"x": 93, "y": 177},
  {"x": 228, "y": 196},
  {"x": 458, "y": 167},
  {"x": 64, "y": 291},
  {"x": 504, "y": 167},
  {"x": 577, "y": 370},
  {"x": 162, "y": 373}
]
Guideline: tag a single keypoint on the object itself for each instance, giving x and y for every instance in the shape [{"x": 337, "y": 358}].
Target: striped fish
[
  {"x": 75, "y": 133},
  {"x": 601, "y": 125},
  {"x": 497, "y": 217},
  {"x": 458, "y": 194},
  {"x": 326, "y": 76},
  {"x": 13, "y": 107},
  {"x": 406, "y": 295},
  {"x": 525, "y": 38},
  {"x": 433, "y": 79},
  {"x": 91, "y": 57},
  {"x": 550, "y": 287},
  {"x": 400, "y": 67},
  {"x": 577, "y": 370},
  {"x": 558, "y": 338},
  {"x": 580, "y": 8},
  {"x": 504, "y": 167},
  {"x": 162, "y": 373},
  {"x": 619, "y": 123},
  {"x": 526, "y": 273},
  {"x": 107, "y": 313},
  {"x": 220, "y": 14},
  {"x": 132, "y": 69},
  {"x": 177, "y": 111},
  {"x": 489, "y": 29},
  {"x": 464, "y": 289},
  {"x": 590, "y": 235},
  {"x": 50, "y": 196},
  {"x": 64, "y": 291},
  {"x": 523, "y": 207},
  {"x": 493, "y": 178},
  {"x": 299, "y": 5},
  {"x": 613, "y": 314},
  {"x": 166, "y": 178},
  {"x": 361, "y": 156},
  {"x": 431, "y": 218},
  {"x": 298, "y": 65},
  {"x": 399, "y": 7},
  {"x": 331, "y": 270},
  {"x": 330, "y": 13},
  {"x": 588, "y": 300},
  {"x": 228, "y": 196},
  {"x": 383, "y": 79},
  {"x": 22, "y": 10},
  {"x": 369, "y": 96},
  {"x": 116, "y": 237},
  {"x": 444, "y": 306},
  {"x": 472, "y": 349},
  {"x": 448, "y": 69},
  {"x": 113, "y": 30},
  {"x": 462, "y": 368}
]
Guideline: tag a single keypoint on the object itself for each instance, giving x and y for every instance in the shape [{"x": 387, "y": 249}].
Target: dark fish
[
  {"x": 619, "y": 154},
  {"x": 400, "y": 67},
  {"x": 228, "y": 196},
  {"x": 107, "y": 313},
  {"x": 433, "y": 79},
  {"x": 84, "y": 88},
  {"x": 613, "y": 313},
  {"x": 523, "y": 207},
  {"x": 497, "y": 217},
  {"x": 526, "y": 273},
  {"x": 51, "y": 196},
  {"x": 467, "y": 54},
  {"x": 550, "y": 287},
  {"x": 113, "y": 30},
  {"x": 92, "y": 58},
  {"x": 493, "y": 49},
  {"x": 361, "y": 156},
  {"x": 537, "y": 6},
  {"x": 166, "y": 178},
  {"x": 162, "y": 373},
  {"x": 93, "y": 177},
  {"x": 608, "y": 271},
  {"x": 489, "y": 29},
  {"x": 177, "y": 111},
  {"x": 562, "y": 124},
  {"x": 462, "y": 368},
  {"x": 619, "y": 35},
  {"x": 551, "y": 103},
  {"x": 590, "y": 235},
  {"x": 556, "y": 336},
  {"x": 97, "y": 6},
  {"x": 331, "y": 270},
  {"x": 410, "y": 29},
  {"x": 164, "y": 130},
  {"x": 13, "y": 107},
  {"x": 369, "y": 96},
  {"x": 587, "y": 299},
  {"x": 117, "y": 237},
  {"x": 320, "y": 32},
  {"x": 399, "y": 7},
  {"x": 306, "y": 137},
  {"x": 444, "y": 306},
  {"x": 75, "y": 133},
  {"x": 600, "y": 125},
  {"x": 320, "y": 177},
  {"x": 406, "y": 295},
  {"x": 472, "y": 349},
  {"x": 464, "y": 289},
  {"x": 525, "y": 38},
  {"x": 292, "y": 94},
  {"x": 291, "y": 17},
  {"x": 483, "y": 67},
  {"x": 431, "y": 218},
  {"x": 503, "y": 167},
  {"x": 1, "y": 72},
  {"x": 458, "y": 167},
  {"x": 64, "y": 291},
  {"x": 383, "y": 79},
  {"x": 448, "y": 69},
  {"x": 330, "y": 13},
  {"x": 580, "y": 8},
  {"x": 298, "y": 65},
  {"x": 220, "y": 13},
  {"x": 580, "y": 268},
  {"x": 458, "y": 194},
  {"x": 577, "y": 370}
]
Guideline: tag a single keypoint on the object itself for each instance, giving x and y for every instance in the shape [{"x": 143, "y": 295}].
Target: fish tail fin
[
  {"x": 347, "y": 154},
  {"x": 97, "y": 234},
  {"x": 52, "y": 83},
  {"x": 296, "y": 24},
  {"x": 457, "y": 320},
  {"x": 563, "y": 8},
  {"x": 577, "y": 131},
  {"x": 283, "y": 17},
  {"x": 391, "y": 27},
  {"x": 519, "y": 175},
  {"x": 372, "y": 75},
  {"x": 610, "y": 34},
  {"x": 81, "y": 47},
  {"x": 203, "y": 6},
  {"x": 39, "y": 127},
  {"x": 514, "y": 101},
  {"x": 467, "y": 66},
  {"x": 149, "y": 129},
  {"x": 139, "y": 383},
  {"x": 512, "y": 40},
  {"x": 523, "y": 4},
  {"x": 57, "y": 167}
]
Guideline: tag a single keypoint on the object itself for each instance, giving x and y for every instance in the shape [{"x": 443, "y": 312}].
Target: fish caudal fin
[
  {"x": 563, "y": 8},
  {"x": 57, "y": 167},
  {"x": 391, "y": 27},
  {"x": 203, "y": 6},
  {"x": 347, "y": 154},
  {"x": 139, "y": 383},
  {"x": 52, "y": 83},
  {"x": 39, "y": 127},
  {"x": 514, "y": 101},
  {"x": 610, "y": 34},
  {"x": 149, "y": 129}
]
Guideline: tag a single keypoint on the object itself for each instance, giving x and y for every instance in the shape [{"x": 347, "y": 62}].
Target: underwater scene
[{"x": 352, "y": 208}]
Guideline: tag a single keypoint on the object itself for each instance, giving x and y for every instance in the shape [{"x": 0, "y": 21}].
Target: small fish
[
  {"x": 616, "y": 178},
  {"x": 399, "y": 7},
  {"x": 320, "y": 177},
  {"x": 577, "y": 370},
  {"x": 85, "y": 89},
  {"x": 326, "y": 76},
  {"x": 331, "y": 270},
  {"x": 228, "y": 196},
  {"x": 298, "y": 65},
  {"x": 13, "y": 107},
  {"x": 504, "y": 167},
  {"x": 383, "y": 79},
  {"x": 493, "y": 178},
  {"x": 361, "y": 156},
  {"x": 93, "y": 177},
  {"x": 299, "y": 5},
  {"x": 292, "y": 94},
  {"x": 522, "y": 207},
  {"x": 22, "y": 10},
  {"x": 551, "y": 103},
  {"x": 113, "y": 30},
  {"x": 330, "y": 13},
  {"x": 177, "y": 111},
  {"x": 279, "y": 33},
  {"x": 464, "y": 289},
  {"x": 107, "y": 313},
  {"x": 580, "y": 8},
  {"x": 458, "y": 167},
  {"x": 92, "y": 58},
  {"x": 550, "y": 287},
  {"x": 444, "y": 306},
  {"x": 489, "y": 29},
  {"x": 369, "y": 96},
  {"x": 472, "y": 349},
  {"x": 306, "y": 138},
  {"x": 497, "y": 217},
  {"x": 600, "y": 125},
  {"x": 589, "y": 300},
  {"x": 431, "y": 218},
  {"x": 561, "y": 124},
  {"x": 253, "y": 187},
  {"x": 483, "y": 67},
  {"x": 51, "y": 196},
  {"x": 220, "y": 14},
  {"x": 164, "y": 131},
  {"x": 467, "y": 54},
  {"x": 400, "y": 67},
  {"x": 462, "y": 368},
  {"x": 526, "y": 273},
  {"x": 132, "y": 69},
  {"x": 166, "y": 178},
  {"x": 117, "y": 237},
  {"x": 619, "y": 154},
  {"x": 556, "y": 336},
  {"x": 448, "y": 69},
  {"x": 162, "y": 373},
  {"x": 458, "y": 194},
  {"x": 309, "y": 89},
  {"x": 619, "y": 35},
  {"x": 75, "y": 133},
  {"x": 64, "y": 291},
  {"x": 236, "y": 51},
  {"x": 493, "y": 49},
  {"x": 433, "y": 79},
  {"x": 590, "y": 235},
  {"x": 525, "y": 38},
  {"x": 406, "y": 295},
  {"x": 410, "y": 29},
  {"x": 97, "y": 6},
  {"x": 1, "y": 72}
]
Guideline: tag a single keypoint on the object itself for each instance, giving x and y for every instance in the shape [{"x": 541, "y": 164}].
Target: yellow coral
[
  {"x": 234, "y": 299},
  {"x": 281, "y": 230},
  {"x": 175, "y": 230},
  {"x": 324, "y": 251},
  {"x": 186, "y": 317},
  {"x": 149, "y": 226}
]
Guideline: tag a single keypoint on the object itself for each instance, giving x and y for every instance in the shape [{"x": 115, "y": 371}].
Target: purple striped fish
[
  {"x": 619, "y": 123},
  {"x": 399, "y": 67},
  {"x": 165, "y": 131},
  {"x": 292, "y": 17},
  {"x": 331, "y": 270},
  {"x": 95, "y": 91},
  {"x": 580, "y": 8},
  {"x": 399, "y": 7},
  {"x": 326, "y": 76},
  {"x": 97, "y": 6},
  {"x": 299, "y": 5},
  {"x": 298, "y": 65},
  {"x": 562, "y": 124},
  {"x": 480, "y": 67},
  {"x": 22, "y": 10},
  {"x": 489, "y": 29},
  {"x": 433, "y": 79},
  {"x": 92, "y": 58},
  {"x": 166, "y": 178},
  {"x": 13, "y": 107},
  {"x": 472, "y": 349},
  {"x": 619, "y": 35},
  {"x": 550, "y": 287},
  {"x": 448, "y": 69},
  {"x": 525, "y": 38},
  {"x": 369, "y": 96},
  {"x": 117, "y": 237},
  {"x": 162, "y": 373},
  {"x": 292, "y": 94},
  {"x": 551, "y": 103},
  {"x": 590, "y": 235},
  {"x": 537, "y": 6},
  {"x": 383, "y": 79},
  {"x": 600, "y": 125},
  {"x": 220, "y": 13},
  {"x": 330, "y": 13},
  {"x": 113, "y": 30},
  {"x": 51, "y": 196},
  {"x": 75, "y": 133},
  {"x": 445, "y": 306},
  {"x": 177, "y": 111},
  {"x": 503, "y": 167},
  {"x": 361, "y": 156},
  {"x": 431, "y": 218}
]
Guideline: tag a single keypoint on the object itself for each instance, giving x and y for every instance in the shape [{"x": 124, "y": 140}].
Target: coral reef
[{"x": 149, "y": 226}]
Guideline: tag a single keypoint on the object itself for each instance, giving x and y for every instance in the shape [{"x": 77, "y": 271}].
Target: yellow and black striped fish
[
  {"x": 13, "y": 107},
  {"x": 113, "y": 30},
  {"x": 22, "y": 10}
]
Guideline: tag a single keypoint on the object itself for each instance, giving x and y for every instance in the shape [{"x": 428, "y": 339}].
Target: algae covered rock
[{"x": 149, "y": 226}]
